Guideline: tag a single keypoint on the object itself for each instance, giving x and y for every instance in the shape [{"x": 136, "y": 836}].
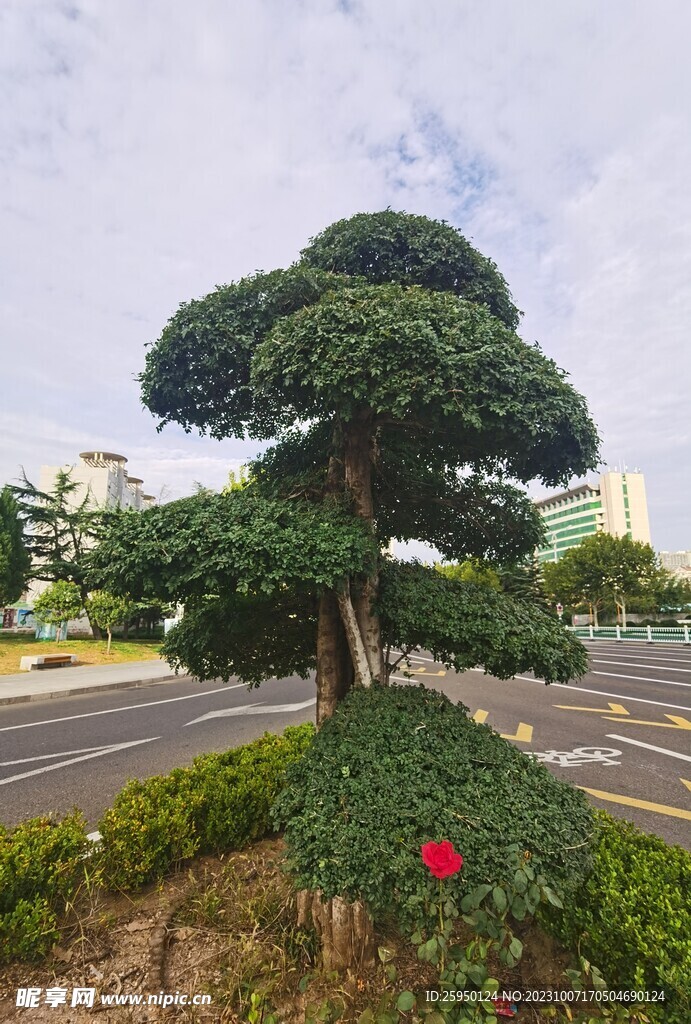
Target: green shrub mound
[
  {"x": 398, "y": 766},
  {"x": 220, "y": 802},
  {"x": 633, "y": 917},
  {"x": 41, "y": 867}
]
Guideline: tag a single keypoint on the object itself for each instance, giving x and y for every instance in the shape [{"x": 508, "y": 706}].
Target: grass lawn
[{"x": 89, "y": 652}]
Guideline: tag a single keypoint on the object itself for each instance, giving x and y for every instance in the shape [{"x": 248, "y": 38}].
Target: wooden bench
[{"x": 40, "y": 661}]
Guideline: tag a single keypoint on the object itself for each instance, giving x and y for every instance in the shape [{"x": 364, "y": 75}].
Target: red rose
[{"x": 441, "y": 858}]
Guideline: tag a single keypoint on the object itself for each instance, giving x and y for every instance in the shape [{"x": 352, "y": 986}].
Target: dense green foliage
[
  {"x": 394, "y": 247},
  {"x": 248, "y": 636},
  {"x": 59, "y": 603},
  {"x": 61, "y": 528},
  {"x": 605, "y": 570},
  {"x": 396, "y": 767},
  {"x": 15, "y": 560},
  {"x": 219, "y": 544},
  {"x": 220, "y": 802},
  {"x": 41, "y": 867},
  {"x": 465, "y": 624},
  {"x": 633, "y": 917}
]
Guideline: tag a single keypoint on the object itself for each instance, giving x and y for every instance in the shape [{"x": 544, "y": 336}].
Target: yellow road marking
[
  {"x": 677, "y": 722},
  {"x": 523, "y": 734},
  {"x": 685, "y": 782},
  {"x": 617, "y": 709},
  {"x": 644, "y": 805},
  {"x": 424, "y": 672}
]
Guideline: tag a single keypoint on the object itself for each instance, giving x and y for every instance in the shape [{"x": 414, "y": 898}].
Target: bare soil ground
[{"x": 227, "y": 927}]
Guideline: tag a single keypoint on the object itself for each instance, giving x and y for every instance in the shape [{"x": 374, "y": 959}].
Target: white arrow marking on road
[
  {"x": 256, "y": 709},
  {"x": 111, "y": 749},
  {"x": 650, "y": 746},
  {"x": 130, "y": 707}
]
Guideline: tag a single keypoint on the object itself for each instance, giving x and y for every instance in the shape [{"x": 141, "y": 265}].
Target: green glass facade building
[{"x": 616, "y": 504}]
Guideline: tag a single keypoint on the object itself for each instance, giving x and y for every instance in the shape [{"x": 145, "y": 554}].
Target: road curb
[{"x": 74, "y": 691}]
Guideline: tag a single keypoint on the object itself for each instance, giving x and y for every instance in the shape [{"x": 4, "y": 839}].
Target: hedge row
[
  {"x": 633, "y": 917},
  {"x": 220, "y": 802}
]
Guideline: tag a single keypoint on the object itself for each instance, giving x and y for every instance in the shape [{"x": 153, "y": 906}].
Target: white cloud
[{"x": 152, "y": 151}]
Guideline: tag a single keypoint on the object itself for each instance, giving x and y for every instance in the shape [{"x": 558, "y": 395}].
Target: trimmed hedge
[
  {"x": 220, "y": 802},
  {"x": 633, "y": 917},
  {"x": 397, "y": 766},
  {"x": 41, "y": 868}
]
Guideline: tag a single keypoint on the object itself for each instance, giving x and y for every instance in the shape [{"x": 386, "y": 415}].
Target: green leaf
[
  {"x": 405, "y": 1002},
  {"x": 499, "y": 898}
]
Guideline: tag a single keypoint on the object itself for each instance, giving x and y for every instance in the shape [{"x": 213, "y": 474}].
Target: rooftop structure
[
  {"x": 616, "y": 504},
  {"x": 103, "y": 475}
]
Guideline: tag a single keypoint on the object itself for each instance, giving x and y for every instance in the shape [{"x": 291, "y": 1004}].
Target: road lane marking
[
  {"x": 678, "y": 722},
  {"x": 113, "y": 711},
  {"x": 641, "y": 679},
  {"x": 576, "y": 688},
  {"x": 617, "y": 709},
  {"x": 650, "y": 664},
  {"x": 644, "y": 805},
  {"x": 523, "y": 734},
  {"x": 110, "y": 749},
  {"x": 633, "y": 664},
  {"x": 685, "y": 782},
  {"x": 424, "y": 671},
  {"x": 255, "y": 709},
  {"x": 480, "y": 716},
  {"x": 649, "y": 746},
  {"x": 47, "y": 757}
]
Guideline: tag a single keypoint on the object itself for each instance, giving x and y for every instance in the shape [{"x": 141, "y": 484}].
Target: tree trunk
[
  {"x": 334, "y": 665},
  {"x": 361, "y": 668},
  {"x": 358, "y": 463},
  {"x": 595, "y": 622},
  {"x": 345, "y": 930},
  {"x": 623, "y": 613},
  {"x": 110, "y": 637}
]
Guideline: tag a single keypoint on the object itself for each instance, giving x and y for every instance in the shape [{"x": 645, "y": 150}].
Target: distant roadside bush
[{"x": 398, "y": 766}]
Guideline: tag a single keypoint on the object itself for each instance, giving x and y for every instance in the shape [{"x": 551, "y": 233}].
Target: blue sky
[{"x": 151, "y": 151}]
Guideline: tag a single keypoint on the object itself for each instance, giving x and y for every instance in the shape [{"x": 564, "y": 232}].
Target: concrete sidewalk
[{"x": 67, "y": 682}]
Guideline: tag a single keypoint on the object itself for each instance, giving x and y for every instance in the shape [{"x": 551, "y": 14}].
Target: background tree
[
  {"x": 471, "y": 571},
  {"x": 59, "y": 603},
  {"x": 61, "y": 531},
  {"x": 107, "y": 611},
  {"x": 386, "y": 365},
  {"x": 601, "y": 568},
  {"x": 15, "y": 560}
]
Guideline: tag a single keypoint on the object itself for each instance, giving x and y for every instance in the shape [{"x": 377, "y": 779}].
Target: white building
[
  {"x": 103, "y": 475},
  {"x": 675, "y": 559}
]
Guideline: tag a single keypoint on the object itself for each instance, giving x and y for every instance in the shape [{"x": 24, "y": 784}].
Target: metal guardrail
[{"x": 642, "y": 634}]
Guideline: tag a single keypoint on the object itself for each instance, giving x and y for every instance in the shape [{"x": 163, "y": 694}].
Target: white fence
[{"x": 642, "y": 634}]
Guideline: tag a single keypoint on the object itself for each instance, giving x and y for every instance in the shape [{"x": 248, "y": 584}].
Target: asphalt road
[{"x": 623, "y": 733}]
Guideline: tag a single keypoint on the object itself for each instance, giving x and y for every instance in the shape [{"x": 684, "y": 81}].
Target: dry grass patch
[{"x": 89, "y": 652}]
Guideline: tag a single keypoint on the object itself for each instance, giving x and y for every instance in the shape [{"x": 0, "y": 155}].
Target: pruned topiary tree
[{"x": 386, "y": 367}]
